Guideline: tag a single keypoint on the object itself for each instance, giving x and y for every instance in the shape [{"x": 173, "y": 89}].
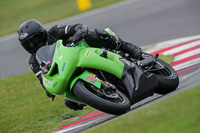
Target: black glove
[{"x": 78, "y": 36}]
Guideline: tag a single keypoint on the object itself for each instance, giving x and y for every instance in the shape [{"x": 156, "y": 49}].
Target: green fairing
[
  {"x": 86, "y": 76},
  {"x": 68, "y": 59}
]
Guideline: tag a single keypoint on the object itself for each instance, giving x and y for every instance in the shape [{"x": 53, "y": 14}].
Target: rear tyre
[
  {"x": 168, "y": 79},
  {"x": 116, "y": 106}
]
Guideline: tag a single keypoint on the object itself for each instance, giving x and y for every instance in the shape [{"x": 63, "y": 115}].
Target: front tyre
[{"x": 117, "y": 105}]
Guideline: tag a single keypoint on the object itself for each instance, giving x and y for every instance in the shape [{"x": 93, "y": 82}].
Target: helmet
[{"x": 31, "y": 35}]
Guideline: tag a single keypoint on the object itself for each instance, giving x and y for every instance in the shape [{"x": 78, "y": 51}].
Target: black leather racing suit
[{"x": 96, "y": 38}]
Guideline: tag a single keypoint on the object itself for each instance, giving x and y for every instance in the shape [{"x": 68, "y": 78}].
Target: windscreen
[{"x": 46, "y": 53}]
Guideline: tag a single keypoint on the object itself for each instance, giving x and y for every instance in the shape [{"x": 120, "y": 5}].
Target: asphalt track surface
[{"x": 139, "y": 21}]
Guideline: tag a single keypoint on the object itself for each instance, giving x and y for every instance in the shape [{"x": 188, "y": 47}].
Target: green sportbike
[{"x": 78, "y": 71}]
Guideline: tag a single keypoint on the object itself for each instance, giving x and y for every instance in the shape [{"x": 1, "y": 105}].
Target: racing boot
[{"x": 126, "y": 47}]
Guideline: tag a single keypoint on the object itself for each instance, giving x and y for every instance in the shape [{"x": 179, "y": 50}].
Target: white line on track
[
  {"x": 187, "y": 54},
  {"x": 187, "y": 64},
  {"x": 170, "y": 43}
]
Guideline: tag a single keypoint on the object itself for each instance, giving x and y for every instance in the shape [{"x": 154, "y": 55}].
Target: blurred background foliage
[{"x": 15, "y": 12}]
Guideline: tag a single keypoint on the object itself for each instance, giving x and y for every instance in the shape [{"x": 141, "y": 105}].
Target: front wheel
[{"x": 116, "y": 103}]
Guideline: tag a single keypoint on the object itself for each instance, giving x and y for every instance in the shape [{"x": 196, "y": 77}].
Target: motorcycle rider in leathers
[{"x": 32, "y": 35}]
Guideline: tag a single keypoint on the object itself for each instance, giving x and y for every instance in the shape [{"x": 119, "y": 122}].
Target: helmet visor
[{"x": 32, "y": 44}]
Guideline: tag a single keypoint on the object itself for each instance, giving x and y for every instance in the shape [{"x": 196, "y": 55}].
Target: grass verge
[
  {"x": 177, "y": 114},
  {"x": 167, "y": 59},
  {"x": 15, "y": 12},
  {"x": 24, "y": 107}
]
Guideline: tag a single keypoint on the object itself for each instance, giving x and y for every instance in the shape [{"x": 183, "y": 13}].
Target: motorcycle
[{"x": 77, "y": 72}]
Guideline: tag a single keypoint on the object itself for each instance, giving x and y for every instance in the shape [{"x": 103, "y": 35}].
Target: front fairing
[{"x": 66, "y": 61}]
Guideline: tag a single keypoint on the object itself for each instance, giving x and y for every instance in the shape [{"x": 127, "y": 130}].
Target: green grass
[
  {"x": 15, "y": 12},
  {"x": 167, "y": 59},
  {"x": 177, "y": 114},
  {"x": 24, "y": 107}
]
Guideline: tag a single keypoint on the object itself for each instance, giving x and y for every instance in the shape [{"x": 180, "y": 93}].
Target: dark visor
[{"x": 32, "y": 44}]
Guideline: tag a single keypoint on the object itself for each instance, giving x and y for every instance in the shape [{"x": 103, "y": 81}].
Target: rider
[{"x": 32, "y": 35}]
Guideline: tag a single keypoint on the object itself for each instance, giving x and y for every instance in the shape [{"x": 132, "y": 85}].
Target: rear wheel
[
  {"x": 114, "y": 102},
  {"x": 168, "y": 79}
]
